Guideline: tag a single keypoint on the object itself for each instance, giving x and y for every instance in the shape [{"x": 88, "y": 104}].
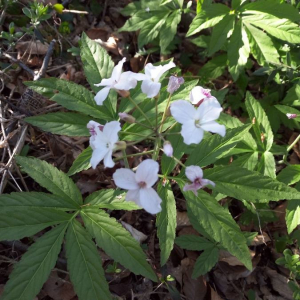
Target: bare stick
[{"x": 22, "y": 65}]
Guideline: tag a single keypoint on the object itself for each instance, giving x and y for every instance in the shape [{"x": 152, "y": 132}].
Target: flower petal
[
  {"x": 111, "y": 130},
  {"x": 150, "y": 88},
  {"x": 196, "y": 94},
  {"x": 125, "y": 179},
  {"x": 193, "y": 172},
  {"x": 126, "y": 82},
  {"x": 194, "y": 187},
  {"x": 162, "y": 69},
  {"x": 191, "y": 134},
  {"x": 182, "y": 111},
  {"x": 107, "y": 161},
  {"x": 116, "y": 73},
  {"x": 134, "y": 195},
  {"x": 150, "y": 200},
  {"x": 98, "y": 155},
  {"x": 105, "y": 82},
  {"x": 214, "y": 127},
  {"x": 102, "y": 95},
  {"x": 147, "y": 172},
  {"x": 208, "y": 111},
  {"x": 206, "y": 182}
]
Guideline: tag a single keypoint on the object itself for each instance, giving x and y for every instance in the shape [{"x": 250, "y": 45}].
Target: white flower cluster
[{"x": 196, "y": 116}]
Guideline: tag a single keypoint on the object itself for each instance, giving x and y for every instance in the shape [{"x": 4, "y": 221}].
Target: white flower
[
  {"x": 196, "y": 120},
  {"x": 198, "y": 94},
  {"x": 139, "y": 185},
  {"x": 195, "y": 175},
  {"x": 118, "y": 81},
  {"x": 103, "y": 142},
  {"x": 151, "y": 84},
  {"x": 168, "y": 149}
]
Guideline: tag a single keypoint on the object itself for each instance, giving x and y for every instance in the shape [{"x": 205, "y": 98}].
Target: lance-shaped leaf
[
  {"x": 193, "y": 242},
  {"x": 85, "y": 265},
  {"x": 97, "y": 64},
  {"x": 205, "y": 262},
  {"x": 51, "y": 178},
  {"x": 290, "y": 174},
  {"x": 82, "y": 162},
  {"x": 262, "y": 46},
  {"x": 166, "y": 221},
  {"x": 238, "y": 50},
  {"x": 279, "y": 10},
  {"x": 216, "y": 146},
  {"x": 282, "y": 29},
  {"x": 267, "y": 165},
  {"x": 110, "y": 199},
  {"x": 117, "y": 242},
  {"x": 64, "y": 123},
  {"x": 29, "y": 275},
  {"x": 248, "y": 160},
  {"x": 70, "y": 95},
  {"x": 220, "y": 32},
  {"x": 260, "y": 121},
  {"x": 209, "y": 17},
  {"x": 206, "y": 214},
  {"x": 292, "y": 216},
  {"x": 248, "y": 185}
]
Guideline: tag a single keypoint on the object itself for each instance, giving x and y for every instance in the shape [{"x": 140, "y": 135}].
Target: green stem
[
  {"x": 169, "y": 133},
  {"x": 125, "y": 159},
  {"x": 293, "y": 143},
  {"x": 164, "y": 115},
  {"x": 132, "y": 155},
  {"x": 140, "y": 110},
  {"x": 178, "y": 161},
  {"x": 156, "y": 148},
  {"x": 137, "y": 134}
]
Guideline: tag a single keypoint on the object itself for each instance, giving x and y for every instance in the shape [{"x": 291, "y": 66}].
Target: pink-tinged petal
[
  {"x": 107, "y": 161},
  {"x": 208, "y": 111},
  {"x": 91, "y": 126},
  {"x": 191, "y": 134},
  {"x": 134, "y": 196},
  {"x": 150, "y": 88},
  {"x": 174, "y": 84},
  {"x": 116, "y": 73},
  {"x": 193, "y": 172},
  {"x": 98, "y": 155},
  {"x": 126, "y": 82},
  {"x": 205, "y": 182},
  {"x": 194, "y": 187},
  {"x": 111, "y": 130},
  {"x": 125, "y": 179},
  {"x": 214, "y": 127},
  {"x": 147, "y": 172},
  {"x": 150, "y": 200},
  {"x": 291, "y": 116},
  {"x": 106, "y": 82},
  {"x": 196, "y": 94},
  {"x": 182, "y": 111},
  {"x": 102, "y": 95}
]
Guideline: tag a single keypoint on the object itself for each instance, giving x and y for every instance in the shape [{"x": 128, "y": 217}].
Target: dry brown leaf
[
  {"x": 225, "y": 256},
  {"x": 137, "y": 235},
  {"x": 214, "y": 295},
  {"x": 98, "y": 33},
  {"x": 260, "y": 239},
  {"x": 32, "y": 47},
  {"x": 182, "y": 219}
]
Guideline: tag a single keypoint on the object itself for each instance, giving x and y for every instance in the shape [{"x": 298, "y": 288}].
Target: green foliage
[
  {"x": 36, "y": 13},
  {"x": 24, "y": 214},
  {"x": 82, "y": 162}
]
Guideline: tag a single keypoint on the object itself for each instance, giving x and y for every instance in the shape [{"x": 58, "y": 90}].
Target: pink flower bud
[
  {"x": 168, "y": 149},
  {"x": 291, "y": 116},
  {"x": 127, "y": 118},
  {"x": 174, "y": 84}
]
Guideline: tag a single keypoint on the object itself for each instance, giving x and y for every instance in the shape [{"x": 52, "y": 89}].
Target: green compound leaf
[
  {"x": 64, "y": 123},
  {"x": 117, "y": 242},
  {"x": 207, "y": 215},
  {"x": 262, "y": 47},
  {"x": 97, "y": 64},
  {"x": 85, "y": 265},
  {"x": 82, "y": 162},
  {"x": 216, "y": 146},
  {"x": 261, "y": 124},
  {"x": 248, "y": 185},
  {"x": 29, "y": 275},
  {"x": 238, "y": 50},
  {"x": 205, "y": 262},
  {"x": 52, "y": 179},
  {"x": 166, "y": 222},
  {"x": 292, "y": 216},
  {"x": 72, "y": 96},
  {"x": 248, "y": 160},
  {"x": 220, "y": 32},
  {"x": 290, "y": 174},
  {"x": 209, "y": 17},
  {"x": 193, "y": 242},
  {"x": 267, "y": 165},
  {"x": 110, "y": 199}
]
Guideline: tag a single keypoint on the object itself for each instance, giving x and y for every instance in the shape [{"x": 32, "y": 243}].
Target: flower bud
[
  {"x": 123, "y": 93},
  {"x": 127, "y": 118},
  {"x": 291, "y": 116},
  {"x": 121, "y": 145},
  {"x": 168, "y": 149},
  {"x": 174, "y": 84}
]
